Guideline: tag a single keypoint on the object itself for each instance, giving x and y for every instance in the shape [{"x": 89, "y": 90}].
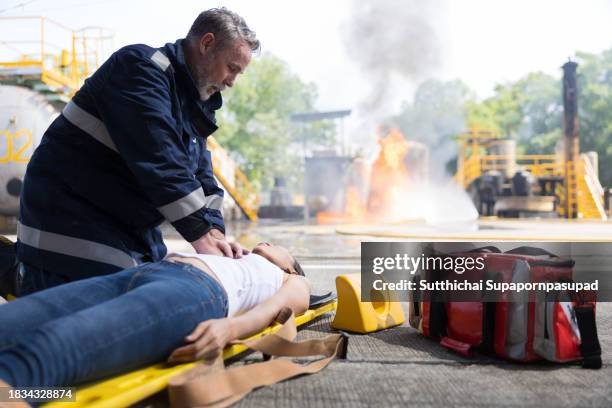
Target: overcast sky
[{"x": 481, "y": 42}]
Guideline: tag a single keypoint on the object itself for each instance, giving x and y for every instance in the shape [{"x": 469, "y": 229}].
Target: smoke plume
[
  {"x": 397, "y": 44},
  {"x": 391, "y": 39}
]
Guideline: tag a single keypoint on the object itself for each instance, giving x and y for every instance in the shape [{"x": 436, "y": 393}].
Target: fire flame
[
  {"x": 390, "y": 183},
  {"x": 389, "y": 174}
]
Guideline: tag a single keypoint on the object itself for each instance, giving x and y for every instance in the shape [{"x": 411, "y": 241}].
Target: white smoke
[
  {"x": 391, "y": 40},
  {"x": 398, "y": 44}
]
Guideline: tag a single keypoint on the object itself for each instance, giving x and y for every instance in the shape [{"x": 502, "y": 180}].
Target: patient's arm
[{"x": 210, "y": 337}]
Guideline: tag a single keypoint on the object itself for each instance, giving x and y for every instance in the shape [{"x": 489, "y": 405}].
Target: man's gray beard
[
  {"x": 204, "y": 96},
  {"x": 202, "y": 85}
]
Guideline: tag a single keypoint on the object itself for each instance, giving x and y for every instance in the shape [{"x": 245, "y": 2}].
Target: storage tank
[
  {"x": 325, "y": 181},
  {"x": 24, "y": 117},
  {"x": 506, "y": 150}
]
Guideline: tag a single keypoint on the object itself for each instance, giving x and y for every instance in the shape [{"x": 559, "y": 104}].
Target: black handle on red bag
[
  {"x": 531, "y": 251},
  {"x": 437, "y": 318},
  {"x": 489, "y": 312},
  {"x": 590, "y": 348},
  {"x": 589, "y": 342},
  {"x": 437, "y": 309},
  {"x": 488, "y": 248}
]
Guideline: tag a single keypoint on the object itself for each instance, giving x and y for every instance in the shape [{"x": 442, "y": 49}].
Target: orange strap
[{"x": 209, "y": 384}]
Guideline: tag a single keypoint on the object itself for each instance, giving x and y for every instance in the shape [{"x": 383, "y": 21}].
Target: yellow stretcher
[{"x": 127, "y": 389}]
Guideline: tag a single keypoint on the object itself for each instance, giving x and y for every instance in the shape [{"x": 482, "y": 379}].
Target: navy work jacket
[{"x": 126, "y": 153}]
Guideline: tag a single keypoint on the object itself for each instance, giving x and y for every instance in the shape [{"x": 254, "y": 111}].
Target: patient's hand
[{"x": 206, "y": 341}]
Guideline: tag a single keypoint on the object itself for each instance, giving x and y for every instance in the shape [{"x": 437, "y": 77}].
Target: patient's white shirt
[{"x": 248, "y": 281}]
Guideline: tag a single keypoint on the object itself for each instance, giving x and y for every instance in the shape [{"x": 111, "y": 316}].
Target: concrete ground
[{"x": 398, "y": 366}]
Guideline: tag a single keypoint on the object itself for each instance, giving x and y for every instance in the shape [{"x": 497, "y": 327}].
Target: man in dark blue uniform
[{"x": 128, "y": 152}]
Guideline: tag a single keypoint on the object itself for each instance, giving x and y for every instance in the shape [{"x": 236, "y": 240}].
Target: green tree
[
  {"x": 542, "y": 113},
  {"x": 255, "y": 122},
  {"x": 530, "y": 110},
  {"x": 595, "y": 108},
  {"x": 481, "y": 115},
  {"x": 506, "y": 108}
]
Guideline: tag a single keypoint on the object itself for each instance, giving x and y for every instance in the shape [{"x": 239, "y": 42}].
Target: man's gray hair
[{"x": 226, "y": 25}]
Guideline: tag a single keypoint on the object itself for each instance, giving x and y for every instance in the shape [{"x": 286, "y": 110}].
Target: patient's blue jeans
[{"x": 101, "y": 326}]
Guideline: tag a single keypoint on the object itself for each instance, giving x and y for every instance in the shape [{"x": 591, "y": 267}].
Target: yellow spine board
[{"x": 127, "y": 389}]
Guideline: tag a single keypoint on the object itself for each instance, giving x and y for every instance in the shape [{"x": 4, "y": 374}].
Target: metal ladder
[{"x": 584, "y": 191}]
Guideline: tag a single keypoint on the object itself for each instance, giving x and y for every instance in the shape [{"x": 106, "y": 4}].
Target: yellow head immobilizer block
[{"x": 364, "y": 317}]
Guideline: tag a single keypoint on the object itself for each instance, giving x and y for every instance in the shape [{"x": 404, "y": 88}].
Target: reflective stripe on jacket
[{"x": 127, "y": 152}]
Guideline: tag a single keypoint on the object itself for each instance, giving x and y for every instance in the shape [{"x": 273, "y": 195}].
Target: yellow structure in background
[
  {"x": 233, "y": 180},
  {"x": 474, "y": 159},
  {"x": 580, "y": 181},
  {"x": 62, "y": 67},
  {"x": 585, "y": 192},
  {"x": 356, "y": 316}
]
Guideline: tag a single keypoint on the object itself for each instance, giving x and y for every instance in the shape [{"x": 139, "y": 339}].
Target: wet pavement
[{"x": 398, "y": 366}]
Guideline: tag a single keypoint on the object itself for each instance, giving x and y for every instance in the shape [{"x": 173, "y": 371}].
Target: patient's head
[{"x": 279, "y": 256}]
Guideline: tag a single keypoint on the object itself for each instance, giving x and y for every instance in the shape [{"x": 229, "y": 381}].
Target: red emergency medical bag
[{"x": 560, "y": 329}]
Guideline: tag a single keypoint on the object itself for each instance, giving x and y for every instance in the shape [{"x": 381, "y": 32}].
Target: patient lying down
[{"x": 182, "y": 308}]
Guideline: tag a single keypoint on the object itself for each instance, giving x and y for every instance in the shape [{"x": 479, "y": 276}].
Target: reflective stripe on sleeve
[
  {"x": 214, "y": 202},
  {"x": 161, "y": 60},
  {"x": 77, "y": 247},
  {"x": 189, "y": 204},
  {"x": 89, "y": 124}
]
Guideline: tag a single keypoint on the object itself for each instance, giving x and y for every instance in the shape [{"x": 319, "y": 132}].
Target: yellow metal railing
[
  {"x": 540, "y": 165},
  {"x": 472, "y": 169},
  {"x": 473, "y": 159},
  {"x": 233, "y": 180},
  {"x": 62, "y": 67},
  {"x": 471, "y": 143}
]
